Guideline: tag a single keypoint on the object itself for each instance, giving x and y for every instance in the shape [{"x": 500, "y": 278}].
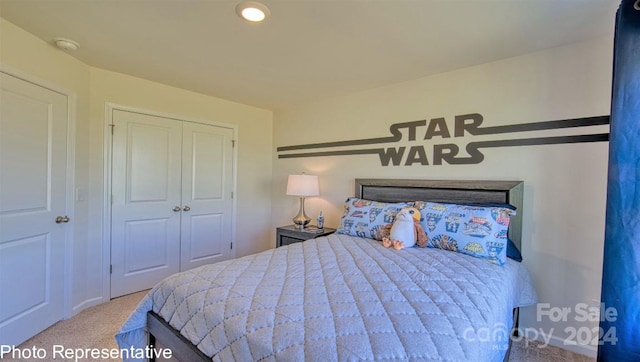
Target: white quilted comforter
[{"x": 341, "y": 298}]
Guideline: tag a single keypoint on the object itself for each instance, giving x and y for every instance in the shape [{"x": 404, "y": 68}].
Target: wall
[
  {"x": 27, "y": 54},
  {"x": 254, "y": 162},
  {"x": 254, "y": 141},
  {"x": 565, "y": 185}
]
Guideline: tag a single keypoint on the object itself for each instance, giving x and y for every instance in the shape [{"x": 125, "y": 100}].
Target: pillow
[
  {"x": 476, "y": 230},
  {"x": 512, "y": 251},
  {"x": 365, "y": 218}
]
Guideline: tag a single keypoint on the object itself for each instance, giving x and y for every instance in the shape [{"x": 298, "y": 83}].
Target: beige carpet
[
  {"x": 95, "y": 327},
  {"x": 92, "y": 328}
]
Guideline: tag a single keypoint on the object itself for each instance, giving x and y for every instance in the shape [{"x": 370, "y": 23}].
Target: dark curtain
[{"x": 620, "y": 315}]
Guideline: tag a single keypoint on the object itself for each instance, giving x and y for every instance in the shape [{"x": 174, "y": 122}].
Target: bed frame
[{"x": 161, "y": 334}]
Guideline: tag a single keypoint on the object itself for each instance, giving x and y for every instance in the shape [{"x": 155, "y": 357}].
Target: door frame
[
  {"x": 108, "y": 152},
  {"x": 69, "y": 233}
]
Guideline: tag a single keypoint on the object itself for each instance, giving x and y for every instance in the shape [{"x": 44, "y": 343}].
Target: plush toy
[{"x": 406, "y": 230}]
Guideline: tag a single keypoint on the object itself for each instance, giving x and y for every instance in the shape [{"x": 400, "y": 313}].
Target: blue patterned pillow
[
  {"x": 476, "y": 230},
  {"x": 365, "y": 218}
]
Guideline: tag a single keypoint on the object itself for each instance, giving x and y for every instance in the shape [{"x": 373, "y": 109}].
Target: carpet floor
[{"x": 95, "y": 327}]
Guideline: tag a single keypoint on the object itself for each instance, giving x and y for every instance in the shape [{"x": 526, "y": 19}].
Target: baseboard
[
  {"x": 86, "y": 304},
  {"x": 586, "y": 350}
]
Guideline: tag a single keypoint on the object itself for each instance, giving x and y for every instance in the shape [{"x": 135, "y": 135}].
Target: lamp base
[{"x": 301, "y": 220}]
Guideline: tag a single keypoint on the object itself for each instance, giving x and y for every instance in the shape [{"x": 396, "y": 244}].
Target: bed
[{"x": 345, "y": 297}]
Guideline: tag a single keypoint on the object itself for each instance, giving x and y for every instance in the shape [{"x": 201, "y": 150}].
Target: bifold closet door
[
  {"x": 172, "y": 203},
  {"x": 146, "y": 200}
]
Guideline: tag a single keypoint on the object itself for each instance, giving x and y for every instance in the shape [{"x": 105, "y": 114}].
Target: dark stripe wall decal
[
  {"x": 394, "y": 129},
  {"x": 372, "y": 151},
  {"x": 468, "y": 124},
  {"x": 539, "y": 126}
]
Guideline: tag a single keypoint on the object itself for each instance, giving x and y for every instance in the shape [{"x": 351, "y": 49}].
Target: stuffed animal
[{"x": 406, "y": 230}]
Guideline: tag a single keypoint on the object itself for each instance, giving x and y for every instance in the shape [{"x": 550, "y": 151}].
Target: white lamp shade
[{"x": 302, "y": 185}]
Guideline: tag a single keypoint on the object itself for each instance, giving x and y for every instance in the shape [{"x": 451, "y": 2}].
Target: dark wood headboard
[{"x": 448, "y": 191}]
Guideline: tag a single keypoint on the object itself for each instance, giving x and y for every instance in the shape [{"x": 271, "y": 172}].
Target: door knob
[
  {"x": 186, "y": 208},
  {"x": 176, "y": 209},
  {"x": 61, "y": 219}
]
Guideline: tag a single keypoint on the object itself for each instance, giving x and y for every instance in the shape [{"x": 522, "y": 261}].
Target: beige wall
[
  {"x": 565, "y": 185},
  {"x": 24, "y": 53},
  {"x": 254, "y": 141},
  {"x": 254, "y": 144}
]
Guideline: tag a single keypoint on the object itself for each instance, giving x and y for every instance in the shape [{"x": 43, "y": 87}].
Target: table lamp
[{"x": 303, "y": 186}]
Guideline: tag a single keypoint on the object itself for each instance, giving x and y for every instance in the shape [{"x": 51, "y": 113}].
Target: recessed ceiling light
[
  {"x": 66, "y": 44},
  {"x": 252, "y": 11}
]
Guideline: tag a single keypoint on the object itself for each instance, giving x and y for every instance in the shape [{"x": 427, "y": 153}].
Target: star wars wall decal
[{"x": 433, "y": 148}]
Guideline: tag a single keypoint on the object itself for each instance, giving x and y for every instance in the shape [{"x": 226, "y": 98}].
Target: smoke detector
[{"x": 66, "y": 44}]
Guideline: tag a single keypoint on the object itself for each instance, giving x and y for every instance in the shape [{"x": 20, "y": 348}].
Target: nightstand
[{"x": 290, "y": 234}]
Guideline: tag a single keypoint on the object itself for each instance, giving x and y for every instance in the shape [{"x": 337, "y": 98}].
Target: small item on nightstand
[{"x": 320, "y": 221}]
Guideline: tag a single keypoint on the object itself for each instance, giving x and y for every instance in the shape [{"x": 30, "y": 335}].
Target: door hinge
[
  {"x": 231, "y": 247},
  {"x": 112, "y": 127},
  {"x": 111, "y": 269},
  {"x": 233, "y": 143},
  {"x": 232, "y": 194}
]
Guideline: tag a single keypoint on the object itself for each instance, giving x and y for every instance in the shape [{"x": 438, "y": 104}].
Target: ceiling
[{"x": 306, "y": 49}]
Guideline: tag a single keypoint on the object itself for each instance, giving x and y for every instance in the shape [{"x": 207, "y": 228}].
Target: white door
[
  {"x": 172, "y": 205},
  {"x": 33, "y": 152},
  {"x": 145, "y": 218},
  {"x": 207, "y": 167}
]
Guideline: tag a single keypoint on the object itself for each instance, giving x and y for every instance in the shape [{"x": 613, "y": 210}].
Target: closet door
[
  {"x": 207, "y": 155},
  {"x": 146, "y": 200}
]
